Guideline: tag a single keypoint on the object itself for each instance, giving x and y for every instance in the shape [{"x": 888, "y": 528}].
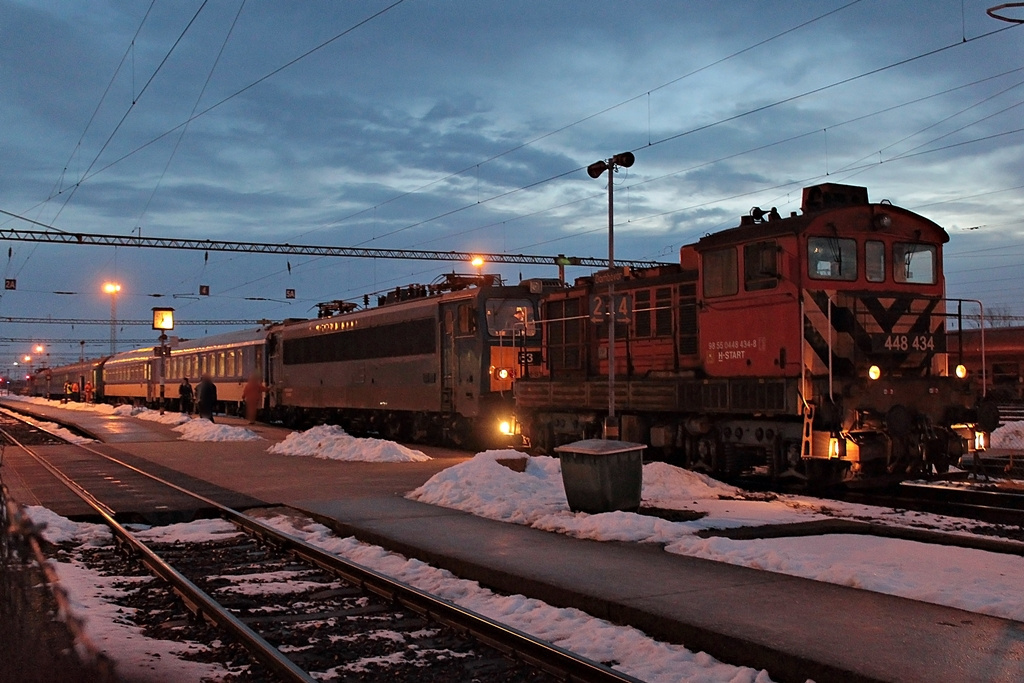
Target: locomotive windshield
[
  {"x": 832, "y": 258},
  {"x": 510, "y": 317},
  {"x": 915, "y": 263}
]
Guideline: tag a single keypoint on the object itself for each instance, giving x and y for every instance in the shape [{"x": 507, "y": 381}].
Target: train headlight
[
  {"x": 503, "y": 373},
  {"x": 505, "y": 427},
  {"x": 961, "y": 371},
  {"x": 874, "y": 372}
]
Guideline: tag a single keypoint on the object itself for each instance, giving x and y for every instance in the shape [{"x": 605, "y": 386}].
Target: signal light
[
  {"x": 505, "y": 427},
  {"x": 961, "y": 371},
  {"x": 503, "y": 373},
  {"x": 874, "y": 372}
]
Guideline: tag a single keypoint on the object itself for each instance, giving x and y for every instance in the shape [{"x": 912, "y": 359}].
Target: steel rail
[
  {"x": 555, "y": 660},
  {"x": 305, "y": 249},
  {"x": 197, "y": 600}
]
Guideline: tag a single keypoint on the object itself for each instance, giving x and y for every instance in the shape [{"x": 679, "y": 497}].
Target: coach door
[{"x": 449, "y": 360}]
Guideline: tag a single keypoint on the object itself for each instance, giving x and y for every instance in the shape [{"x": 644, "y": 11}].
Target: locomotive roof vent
[
  {"x": 831, "y": 196},
  {"x": 537, "y": 285}
]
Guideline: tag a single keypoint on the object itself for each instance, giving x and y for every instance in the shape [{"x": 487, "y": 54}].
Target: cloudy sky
[{"x": 466, "y": 125}]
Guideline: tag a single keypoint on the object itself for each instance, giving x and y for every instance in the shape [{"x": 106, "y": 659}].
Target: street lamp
[
  {"x": 625, "y": 160},
  {"x": 163, "y": 320},
  {"x": 40, "y": 349},
  {"x": 112, "y": 288}
]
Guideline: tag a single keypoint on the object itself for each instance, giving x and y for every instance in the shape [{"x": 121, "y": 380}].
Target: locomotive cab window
[
  {"x": 832, "y": 258},
  {"x": 510, "y": 317},
  {"x": 874, "y": 261},
  {"x": 720, "y": 272},
  {"x": 914, "y": 263},
  {"x": 760, "y": 266}
]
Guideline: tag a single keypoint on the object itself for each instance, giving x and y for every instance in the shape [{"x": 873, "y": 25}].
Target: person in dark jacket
[
  {"x": 185, "y": 394},
  {"x": 206, "y": 397}
]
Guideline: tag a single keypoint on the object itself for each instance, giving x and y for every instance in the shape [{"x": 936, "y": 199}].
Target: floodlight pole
[{"x": 624, "y": 159}]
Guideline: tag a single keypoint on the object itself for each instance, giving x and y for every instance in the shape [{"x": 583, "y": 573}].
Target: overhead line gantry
[{"x": 98, "y": 239}]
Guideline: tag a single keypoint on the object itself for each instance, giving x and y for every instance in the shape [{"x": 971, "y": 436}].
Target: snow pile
[
  {"x": 168, "y": 418},
  {"x": 536, "y": 498},
  {"x": 59, "y": 529},
  {"x": 632, "y": 651},
  {"x": 126, "y": 410},
  {"x": 204, "y": 430},
  {"x": 1009, "y": 435},
  {"x": 333, "y": 443}
]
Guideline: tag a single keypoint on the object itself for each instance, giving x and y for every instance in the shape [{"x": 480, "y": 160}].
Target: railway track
[
  {"x": 323, "y": 614},
  {"x": 983, "y": 505}
]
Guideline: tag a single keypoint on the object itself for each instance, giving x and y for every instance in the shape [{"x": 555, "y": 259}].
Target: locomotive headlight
[
  {"x": 503, "y": 373},
  {"x": 961, "y": 371},
  {"x": 874, "y": 372},
  {"x": 505, "y": 427}
]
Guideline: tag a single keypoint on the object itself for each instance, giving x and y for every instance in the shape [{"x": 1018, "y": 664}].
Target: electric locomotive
[
  {"x": 429, "y": 362},
  {"x": 811, "y": 346}
]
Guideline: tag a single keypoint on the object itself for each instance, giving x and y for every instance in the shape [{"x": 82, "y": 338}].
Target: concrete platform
[{"x": 795, "y": 628}]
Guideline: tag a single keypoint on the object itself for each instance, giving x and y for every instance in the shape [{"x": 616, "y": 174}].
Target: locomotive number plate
[
  {"x": 529, "y": 357},
  {"x": 908, "y": 343}
]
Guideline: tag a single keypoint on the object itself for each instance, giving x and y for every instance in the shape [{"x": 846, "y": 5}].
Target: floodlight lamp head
[
  {"x": 624, "y": 159},
  {"x": 596, "y": 169}
]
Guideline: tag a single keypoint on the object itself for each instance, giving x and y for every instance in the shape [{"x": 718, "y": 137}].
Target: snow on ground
[
  {"x": 55, "y": 429},
  {"x": 333, "y": 443},
  {"x": 169, "y": 417},
  {"x": 634, "y": 652},
  {"x": 92, "y": 595},
  {"x": 70, "y": 405},
  {"x": 1009, "y": 435},
  {"x": 199, "y": 531},
  {"x": 968, "y": 579},
  {"x": 204, "y": 430}
]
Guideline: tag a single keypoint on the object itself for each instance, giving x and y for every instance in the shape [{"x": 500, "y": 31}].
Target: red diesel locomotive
[{"x": 812, "y": 345}]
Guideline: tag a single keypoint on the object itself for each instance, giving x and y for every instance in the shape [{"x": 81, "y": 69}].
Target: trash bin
[{"x": 602, "y": 476}]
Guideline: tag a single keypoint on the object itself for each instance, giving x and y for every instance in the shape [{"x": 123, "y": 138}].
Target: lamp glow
[
  {"x": 503, "y": 373},
  {"x": 477, "y": 262},
  {"x": 961, "y": 371},
  {"x": 874, "y": 372},
  {"x": 111, "y": 287},
  {"x": 505, "y": 427}
]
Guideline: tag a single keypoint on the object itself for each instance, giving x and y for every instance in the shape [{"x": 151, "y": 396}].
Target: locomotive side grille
[{"x": 900, "y": 332}]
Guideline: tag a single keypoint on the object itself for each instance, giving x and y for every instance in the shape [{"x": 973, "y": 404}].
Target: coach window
[
  {"x": 231, "y": 364},
  {"x": 832, "y": 258},
  {"x": 720, "y": 272},
  {"x": 874, "y": 261},
  {"x": 914, "y": 263},
  {"x": 760, "y": 266}
]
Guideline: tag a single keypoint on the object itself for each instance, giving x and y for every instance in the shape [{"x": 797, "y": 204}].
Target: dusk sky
[{"x": 467, "y": 126}]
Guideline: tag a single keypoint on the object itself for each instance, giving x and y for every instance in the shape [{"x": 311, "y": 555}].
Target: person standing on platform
[
  {"x": 206, "y": 397},
  {"x": 252, "y": 394},
  {"x": 185, "y": 395},
  {"x": 88, "y": 392},
  {"x": 75, "y": 396}
]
